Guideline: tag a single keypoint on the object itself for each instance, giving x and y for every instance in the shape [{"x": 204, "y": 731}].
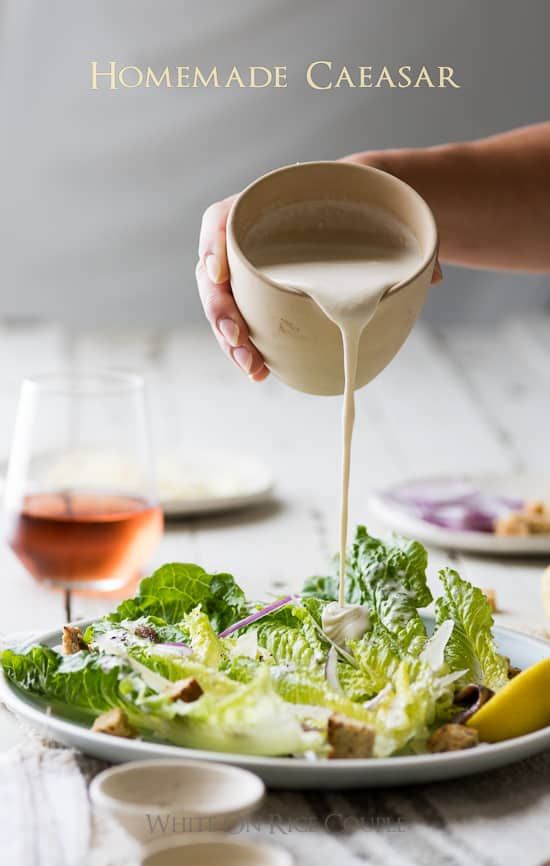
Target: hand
[
  {"x": 230, "y": 329},
  {"x": 212, "y": 274}
]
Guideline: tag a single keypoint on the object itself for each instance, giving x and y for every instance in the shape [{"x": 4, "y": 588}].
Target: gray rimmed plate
[
  {"x": 299, "y": 773},
  {"x": 404, "y": 521}
]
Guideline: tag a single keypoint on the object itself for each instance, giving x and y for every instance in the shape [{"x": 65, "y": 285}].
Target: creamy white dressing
[
  {"x": 346, "y": 273},
  {"x": 342, "y": 623}
]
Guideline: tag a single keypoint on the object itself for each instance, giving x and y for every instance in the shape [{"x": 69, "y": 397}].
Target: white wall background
[{"x": 102, "y": 192}]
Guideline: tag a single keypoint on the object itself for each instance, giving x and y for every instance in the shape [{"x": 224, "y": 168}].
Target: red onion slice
[
  {"x": 453, "y": 504},
  {"x": 259, "y": 614},
  {"x": 432, "y": 492}
]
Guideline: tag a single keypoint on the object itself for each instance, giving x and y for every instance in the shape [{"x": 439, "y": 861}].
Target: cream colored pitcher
[{"x": 299, "y": 343}]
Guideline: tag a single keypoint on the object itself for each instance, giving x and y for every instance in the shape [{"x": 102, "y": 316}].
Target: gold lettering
[
  {"x": 309, "y": 74},
  {"x": 110, "y": 74},
  {"x": 446, "y": 74},
  {"x": 365, "y": 76},
  {"x": 344, "y": 77},
  {"x": 268, "y": 75},
  {"x": 423, "y": 78},
  {"x": 385, "y": 78},
  {"x": 404, "y": 77},
  {"x": 234, "y": 77},
  {"x": 205, "y": 82},
  {"x": 183, "y": 76},
  {"x": 122, "y": 76},
  {"x": 280, "y": 76},
  {"x": 151, "y": 77}
]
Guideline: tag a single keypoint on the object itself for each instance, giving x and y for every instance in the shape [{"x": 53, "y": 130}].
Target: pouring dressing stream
[{"x": 346, "y": 274}]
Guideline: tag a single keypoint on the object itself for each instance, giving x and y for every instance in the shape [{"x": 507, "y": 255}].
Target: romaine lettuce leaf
[
  {"x": 249, "y": 719},
  {"x": 408, "y": 705},
  {"x": 471, "y": 646},
  {"x": 92, "y": 682},
  {"x": 300, "y": 686},
  {"x": 148, "y": 628},
  {"x": 392, "y": 577},
  {"x": 175, "y": 589},
  {"x": 207, "y": 647},
  {"x": 377, "y": 655},
  {"x": 291, "y": 635},
  {"x": 253, "y": 720}
]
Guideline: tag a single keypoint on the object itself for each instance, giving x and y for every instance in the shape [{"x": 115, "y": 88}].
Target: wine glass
[{"x": 81, "y": 508}]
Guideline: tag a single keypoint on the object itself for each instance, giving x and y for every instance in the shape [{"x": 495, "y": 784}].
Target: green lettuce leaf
[
  {"x": 253, "y": 720},
  {"x": 392, "y": 577},
  {"x": 471, "y": 646},
  {"x": 291, "y": 635},
  {"x": 321, "y": 587},
  {"x": 299, "y": 686},
  {"x": 377, "y": 654},
  {"x": 403, "y": 713},
  {"x": 249, "y": 719},
  {"x": 175, "y": 589},
  {"x": 207, "y": 647},
  {"x": 91, "y": 682},
  {"x": 151, "y": 628}
]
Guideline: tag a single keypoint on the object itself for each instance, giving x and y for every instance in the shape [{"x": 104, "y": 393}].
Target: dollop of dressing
[{"x": 342, "y": 624}]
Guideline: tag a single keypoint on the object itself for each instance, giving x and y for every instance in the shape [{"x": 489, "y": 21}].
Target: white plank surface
[{"x": 452, "y": 401}]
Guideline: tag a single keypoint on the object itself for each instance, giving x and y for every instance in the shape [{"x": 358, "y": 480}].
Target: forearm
[{"x": 490, "y": 198}]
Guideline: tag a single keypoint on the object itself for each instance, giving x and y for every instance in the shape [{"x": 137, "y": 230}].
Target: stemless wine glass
[{"x": 81, "y": 508}]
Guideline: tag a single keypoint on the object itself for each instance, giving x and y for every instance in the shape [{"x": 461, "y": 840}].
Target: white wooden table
[{"x": 454, "y": 399}]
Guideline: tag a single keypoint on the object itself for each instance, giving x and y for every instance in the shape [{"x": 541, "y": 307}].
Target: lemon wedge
[{"x": 521, "y": 706}]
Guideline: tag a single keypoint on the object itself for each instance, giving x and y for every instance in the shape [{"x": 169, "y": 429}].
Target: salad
[{"x": 189, "y": 660}]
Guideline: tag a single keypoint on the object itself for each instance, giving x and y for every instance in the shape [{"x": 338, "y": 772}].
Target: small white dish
[
  {"x": 398, "y": 518},
  {"x": 159, "y": 798},
  {"x": 210, "y": 849}
]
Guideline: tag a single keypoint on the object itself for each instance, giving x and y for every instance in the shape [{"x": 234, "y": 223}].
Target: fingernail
[
  {"x": 213, "y": 268},
  {"x": 243, "y": 357},
  {"x": 230, "y": 330}
]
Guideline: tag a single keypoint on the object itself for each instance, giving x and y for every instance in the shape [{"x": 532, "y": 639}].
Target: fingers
[
  {"x": 212, "y": 247},
  {"x": 217, "y": 299},
  {"x": 228, "y": 325}
]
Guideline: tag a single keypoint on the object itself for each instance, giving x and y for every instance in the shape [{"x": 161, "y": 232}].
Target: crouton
[
  {"x": 115, "y": 723},
  {"x": 73, "y": 641},
  {"x": 452, "y": 737},
  {"x": 534, "y": 507},
  {"x": 491, "y": 597},
  {"x": 533, "y": 519},
  {"x": 147, "y": 632},
  {"x": 187, "y": 690},
  {"x": 513, "y": 671},
  {"x": 512, "y": 524},
  {"x": 349, "y": 738}
]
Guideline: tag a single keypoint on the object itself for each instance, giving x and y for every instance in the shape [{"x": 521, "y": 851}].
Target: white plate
[
  {"x": 395, "y": 517},
  {"x": 210, "y": 481},
  {"x": 200, "y": 482},
  {"x": 297, "y": 772}
]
